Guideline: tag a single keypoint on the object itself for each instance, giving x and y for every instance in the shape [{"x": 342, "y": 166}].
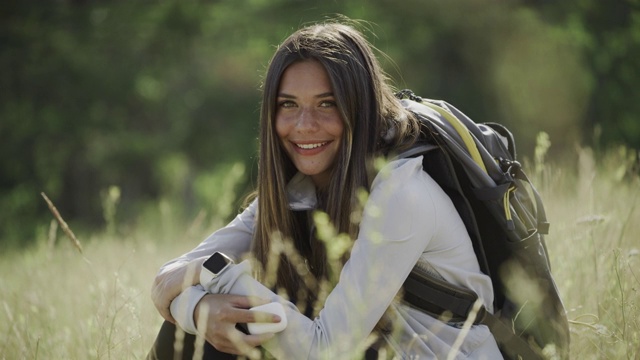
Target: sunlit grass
[
  {"x": 59, "y": 304},
  {"x": 594, "y": 249}
]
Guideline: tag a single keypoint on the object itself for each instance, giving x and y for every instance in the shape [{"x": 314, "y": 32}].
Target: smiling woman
[
  {"x": 332, "y": 261},
  {"x": 308, "y": 121}
]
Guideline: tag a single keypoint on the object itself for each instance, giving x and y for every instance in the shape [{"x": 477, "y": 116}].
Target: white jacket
[{"x": 407, "y": 216}]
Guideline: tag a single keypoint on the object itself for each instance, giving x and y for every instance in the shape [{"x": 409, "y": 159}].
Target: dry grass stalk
[
  {"x": 62, "y": 223},
  {"x": 53, "y": 229}
]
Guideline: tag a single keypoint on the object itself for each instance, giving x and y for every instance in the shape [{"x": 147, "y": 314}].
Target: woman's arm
[
  {"x": 182, "y": 273},
  {"x": 398, "y": 222},
  {"x": 170, "y": 282}
]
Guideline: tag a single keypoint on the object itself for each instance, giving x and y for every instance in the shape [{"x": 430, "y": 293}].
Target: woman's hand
[
  {"x": 217, "y": 315},
  {"x": 170, "y": 284}
]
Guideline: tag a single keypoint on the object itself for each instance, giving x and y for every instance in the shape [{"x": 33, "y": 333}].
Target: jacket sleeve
[
  {"x": 399, "y": 219},
  {"x": 233, "y": 240}
]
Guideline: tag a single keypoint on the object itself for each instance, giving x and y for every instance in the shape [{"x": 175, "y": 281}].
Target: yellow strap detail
[
  {"x": 505, "y": 202},
  {"x": 463, "y": 132}
]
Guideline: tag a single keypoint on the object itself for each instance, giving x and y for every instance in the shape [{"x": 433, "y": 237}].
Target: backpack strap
[
  {"x": 462, "y": 130},
  {"x": 449, "y": 302},
  {"x": 457, "y": 125},
  {"x": 437, "y": 296}
]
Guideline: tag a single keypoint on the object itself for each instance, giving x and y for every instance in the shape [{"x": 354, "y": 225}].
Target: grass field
[{"x": 56, "y": 303}]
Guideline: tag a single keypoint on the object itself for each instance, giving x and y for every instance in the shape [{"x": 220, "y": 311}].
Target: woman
[{"x": 327, "y": 115}]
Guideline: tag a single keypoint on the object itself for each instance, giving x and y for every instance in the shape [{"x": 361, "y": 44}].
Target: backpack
[{"x": 475, "y": 164}]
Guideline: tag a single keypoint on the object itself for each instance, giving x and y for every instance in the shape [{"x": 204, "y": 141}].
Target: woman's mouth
[{"x": 311, "y": 146}]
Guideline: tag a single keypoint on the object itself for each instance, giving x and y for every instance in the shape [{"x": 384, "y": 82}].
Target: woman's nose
[{"x": 306, "y": 121}]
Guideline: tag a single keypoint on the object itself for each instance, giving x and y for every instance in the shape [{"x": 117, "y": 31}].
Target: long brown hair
[{"x": 369, "y": 110}]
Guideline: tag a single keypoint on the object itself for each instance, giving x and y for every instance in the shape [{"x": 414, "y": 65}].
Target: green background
[{"x": 140, "y": 105}]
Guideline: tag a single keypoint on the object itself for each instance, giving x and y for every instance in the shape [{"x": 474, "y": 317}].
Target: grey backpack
[{"x": 475, "y": 164}]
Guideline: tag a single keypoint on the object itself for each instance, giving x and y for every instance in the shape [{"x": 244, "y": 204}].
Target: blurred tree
[
  {"x": 149, "y": 97},
  {"x": 608, "y": 33},
  {"x": 100, "y": 94},
  {"x": 495, "y": 61}
]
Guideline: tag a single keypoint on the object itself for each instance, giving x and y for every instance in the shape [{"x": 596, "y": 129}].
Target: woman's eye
[
  {"x": 328, "y": 103},
  {"x": 286, "y": 104}
]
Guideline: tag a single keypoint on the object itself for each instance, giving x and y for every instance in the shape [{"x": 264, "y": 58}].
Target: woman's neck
[
  {"x": 321, "y": 181},
  {"x": 322, "y": 196}
]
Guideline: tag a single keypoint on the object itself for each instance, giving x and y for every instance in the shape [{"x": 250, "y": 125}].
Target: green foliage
[
  {"x": 217, "y": 191},
  {"x": 110, "y": 200},
  {"x": 542, "y": 148},
  {"x": 608, "y": 35},
  {"x": 148, "y": 97}
]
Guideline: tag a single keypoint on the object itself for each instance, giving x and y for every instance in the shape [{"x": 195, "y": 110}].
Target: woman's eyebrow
[
  {"x": 324, "y": 95},
  {"x": 288, "y": 96}
]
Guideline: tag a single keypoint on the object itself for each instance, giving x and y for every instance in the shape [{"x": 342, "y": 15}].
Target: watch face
[{"x": 216, "y": 262}]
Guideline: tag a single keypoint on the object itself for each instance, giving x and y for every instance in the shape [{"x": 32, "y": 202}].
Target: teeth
[{"x": 310, "y": 146}]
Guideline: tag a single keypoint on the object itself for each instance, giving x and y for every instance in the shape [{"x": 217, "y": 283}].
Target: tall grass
[
  {"x": 593, "y": 204},
  {"x": 59, "y": 304}
]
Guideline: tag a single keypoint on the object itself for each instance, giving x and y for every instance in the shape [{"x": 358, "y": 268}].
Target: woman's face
[{"x": 308, "y": 121}]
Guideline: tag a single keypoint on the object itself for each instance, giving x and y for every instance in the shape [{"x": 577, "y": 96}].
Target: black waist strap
[{"x": 437, "y": 297}]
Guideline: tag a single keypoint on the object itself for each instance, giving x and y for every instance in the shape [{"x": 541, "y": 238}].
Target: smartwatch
[{"x": 213, "y": 267}]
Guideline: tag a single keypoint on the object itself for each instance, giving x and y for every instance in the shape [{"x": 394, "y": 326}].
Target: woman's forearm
[
  {"x": 171, "y": 281},
  {"x": 183, "y": 272}
]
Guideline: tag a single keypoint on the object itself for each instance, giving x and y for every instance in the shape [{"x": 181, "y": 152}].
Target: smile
[{"x": 311, "y": 146}]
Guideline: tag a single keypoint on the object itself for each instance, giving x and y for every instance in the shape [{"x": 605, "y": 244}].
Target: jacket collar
[{"x": 301, "y": 193}]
